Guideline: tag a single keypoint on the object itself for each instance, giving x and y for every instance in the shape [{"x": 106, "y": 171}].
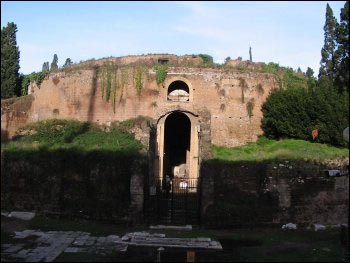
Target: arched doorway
[
  {"x": 176, "y": 200},
  {"x": 177, "y": 146}
]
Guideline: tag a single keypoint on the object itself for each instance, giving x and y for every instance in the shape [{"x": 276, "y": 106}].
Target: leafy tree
[
  {"x": 329, "y": 59},
  {"x": 311, "y": 80},
  {"x": 207, "y": 59},
  {"x": 295, "y": 112},
  {"x": 10, "y": 81},
  {"x": 342, "y": 52},
  {"x": 46, "y": 66},
  {"x": 32, "y": 77},
  {"x": 68, "y": 63},
  {"x": 54, "y": 63},
  {"x": 227, "y": 59}
]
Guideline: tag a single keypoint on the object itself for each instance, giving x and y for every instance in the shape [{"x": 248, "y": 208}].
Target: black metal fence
[{"x": 176, "y": 201}]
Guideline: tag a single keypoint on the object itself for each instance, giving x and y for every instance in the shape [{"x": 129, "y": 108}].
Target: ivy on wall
[
  {"x": 161, "y": 73},
  {"x": 138, "y": 74},
  {"x": 113, "y": 81}
]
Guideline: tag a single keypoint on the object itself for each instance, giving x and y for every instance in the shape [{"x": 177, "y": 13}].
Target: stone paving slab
[
  {"x": 13, "y": 249},
  {"x": 186, "y": 227},
  {"x": 51, "y": 244}
]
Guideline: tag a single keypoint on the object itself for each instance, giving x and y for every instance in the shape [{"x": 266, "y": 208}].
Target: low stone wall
[
  {"x": 260, "y": 194},
  {"x": 100, "y": 185}
]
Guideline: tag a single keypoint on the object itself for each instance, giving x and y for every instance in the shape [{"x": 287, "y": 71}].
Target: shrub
[
  {"x": 161, "y": 72},
  {"x": 295, "y": 112},
  {"x": 207, "y": 60}
]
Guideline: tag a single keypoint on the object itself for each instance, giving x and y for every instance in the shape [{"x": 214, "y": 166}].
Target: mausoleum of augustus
[
  {"x": 193, "y": 108},
  {"x": 179, "y": 108}
]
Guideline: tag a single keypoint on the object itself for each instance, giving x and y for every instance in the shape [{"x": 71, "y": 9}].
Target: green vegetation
[
  {"x": 208, "y": 60},
  {"x": 296, "y": 112},
  {"x": 46, "y": 66},
  {"x": 290, "y": 149},
  {"x": 303, "y": 104},
  {"x": 113, "y": 81},
  {"x": 138, "y": 78},
  {"x": 10, "y": 81},
  {"x": 67, "y": 63},
  {"x": 54, "y": 63},
  {"x": 36, "y": 77},
  {"x": 161, "y": 72},
  {"x": 71, "y": 135}
]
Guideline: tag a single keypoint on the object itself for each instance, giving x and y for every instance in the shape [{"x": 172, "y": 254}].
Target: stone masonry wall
[
  {"x": 100, "y": 185},
  {"x": 246, "y": 194},
  {"x": 223, "y": 94}
]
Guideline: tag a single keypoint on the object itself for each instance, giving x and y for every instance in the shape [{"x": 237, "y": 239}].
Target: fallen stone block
[
  {"x": 318, "y": 227},
  {"x": 72, "y": 250},
  {"x": 24, "y": 234},
  {"x": 14, "y": 248},
  {"x": 186, "y": 227},
  {"x": 22, "y": 215},
  {"x": 289, "y": 226}
]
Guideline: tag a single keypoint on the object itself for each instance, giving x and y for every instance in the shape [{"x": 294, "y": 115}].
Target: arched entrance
[
  {"x": 177, "y": 146},
  {"x": 177, "y": 138},
  {"x": 177, "y": 168}
]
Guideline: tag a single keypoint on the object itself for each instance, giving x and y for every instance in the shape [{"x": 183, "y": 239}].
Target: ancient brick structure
[{"x": 205, "y": 105}]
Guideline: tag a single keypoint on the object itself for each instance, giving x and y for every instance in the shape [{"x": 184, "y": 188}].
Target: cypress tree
[
  {"x": 342, "y": 52},
  {"x": 68, "y": 62},
  {"x": 250, "y": 54},
  {"x": 10, "y": 85},
  {"x": 54, "y": 63},
  {"x": 329, "y": 59},
  {"x": 46, "y": 66},
  {"x": 311, "y": 81}
]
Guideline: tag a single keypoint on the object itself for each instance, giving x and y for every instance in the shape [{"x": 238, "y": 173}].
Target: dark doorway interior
[{"x": 177, "y": 135}]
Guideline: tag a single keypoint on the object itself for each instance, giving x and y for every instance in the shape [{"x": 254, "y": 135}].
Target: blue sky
[{"x": 288, "y": 33}]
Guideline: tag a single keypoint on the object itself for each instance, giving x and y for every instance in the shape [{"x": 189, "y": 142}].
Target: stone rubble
[{"x": 289, "y": 226}]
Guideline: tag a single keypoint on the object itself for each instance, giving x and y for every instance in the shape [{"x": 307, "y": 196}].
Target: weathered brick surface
[{"x": 216, "y": 92}]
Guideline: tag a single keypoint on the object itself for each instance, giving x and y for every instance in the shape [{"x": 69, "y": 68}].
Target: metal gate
[{"x": 175, "y": 202}]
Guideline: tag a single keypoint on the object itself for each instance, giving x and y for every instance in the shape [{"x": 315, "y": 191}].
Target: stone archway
[{"x": 177, "y": 152}]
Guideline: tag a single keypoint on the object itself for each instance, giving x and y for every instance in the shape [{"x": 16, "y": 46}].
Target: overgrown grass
[
  {"x": 289, "y": 149},
  {"x": 70, "y": 134}
]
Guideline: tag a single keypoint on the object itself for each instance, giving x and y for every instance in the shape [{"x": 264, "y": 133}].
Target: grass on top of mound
[
  {"x": 288, "y": 149},
  {"x": 70, "y": 134}
]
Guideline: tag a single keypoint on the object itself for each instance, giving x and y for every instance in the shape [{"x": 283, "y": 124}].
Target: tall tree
[
  {"x": 10, "y": 85},
  {"x": 54, "y": 63},
  {"x": 68, "y": 62},
  {"x": 342, "y": 52},
  {"x": 250, "y": 54},
  {"x": 46, "y": 66},
  {"x": 311, "y": 80},
  {"x": 329, "y": 59}
]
